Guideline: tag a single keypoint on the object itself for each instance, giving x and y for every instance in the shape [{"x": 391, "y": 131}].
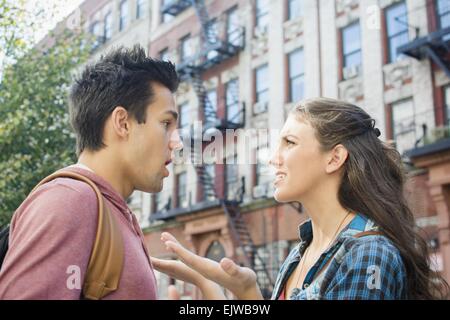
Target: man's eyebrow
[{"x": 174, "y": 114}]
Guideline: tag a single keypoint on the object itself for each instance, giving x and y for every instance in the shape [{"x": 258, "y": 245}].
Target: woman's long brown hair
[{"x": 373, "y": 184}]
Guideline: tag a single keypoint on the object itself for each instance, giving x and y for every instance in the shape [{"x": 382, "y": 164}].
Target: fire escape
[
  {"x": 214, "y": 51},
  {"x": 434, "y": 46}
]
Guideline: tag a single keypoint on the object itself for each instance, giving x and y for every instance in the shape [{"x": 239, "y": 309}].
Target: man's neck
[
  {"x": 103, "y": 165},
  {"x": 83, "y": 166}
]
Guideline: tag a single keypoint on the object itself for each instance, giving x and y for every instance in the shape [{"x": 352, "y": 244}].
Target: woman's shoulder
[{"x": 372, "y": 264}]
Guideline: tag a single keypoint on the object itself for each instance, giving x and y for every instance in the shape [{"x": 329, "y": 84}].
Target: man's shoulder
[{"x": 62, "y": 199}]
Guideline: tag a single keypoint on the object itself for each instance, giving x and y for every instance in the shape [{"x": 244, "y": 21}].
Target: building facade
[{"x": 244, "y": 64}]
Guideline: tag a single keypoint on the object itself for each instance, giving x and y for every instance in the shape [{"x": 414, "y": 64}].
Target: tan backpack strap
[
  {"x": 368, "y": 233},
  {"x": 106, "y": 261}
]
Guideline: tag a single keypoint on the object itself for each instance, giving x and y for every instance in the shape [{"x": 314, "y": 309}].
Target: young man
[{"x": 124, "y": 115}]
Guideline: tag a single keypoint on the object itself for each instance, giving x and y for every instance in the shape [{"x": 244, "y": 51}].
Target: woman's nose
[{"x": 275, "y": 160}]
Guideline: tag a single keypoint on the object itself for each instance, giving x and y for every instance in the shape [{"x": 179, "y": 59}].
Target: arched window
[{"x": 215, "y": 251}]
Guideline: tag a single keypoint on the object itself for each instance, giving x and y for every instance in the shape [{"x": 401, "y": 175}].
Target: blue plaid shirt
[{"x": 369, "y": 267}]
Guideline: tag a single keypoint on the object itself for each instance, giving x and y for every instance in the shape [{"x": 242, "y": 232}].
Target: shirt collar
[{"x": 358, "y": 224}]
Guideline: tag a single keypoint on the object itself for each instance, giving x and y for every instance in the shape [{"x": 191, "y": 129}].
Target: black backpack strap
[{"x": 4, "y": 243}]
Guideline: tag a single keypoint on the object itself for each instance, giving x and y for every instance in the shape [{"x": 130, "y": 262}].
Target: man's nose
[{"x": 175, "y": 142}]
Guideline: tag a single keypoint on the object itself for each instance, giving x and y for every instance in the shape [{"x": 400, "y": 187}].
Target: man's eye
[{"x": 166, "y": 124}]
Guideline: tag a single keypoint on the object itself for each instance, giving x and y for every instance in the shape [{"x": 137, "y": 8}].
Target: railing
[
  {"x": 209, "y": 54},
  {"x": 234, "y": 190}
]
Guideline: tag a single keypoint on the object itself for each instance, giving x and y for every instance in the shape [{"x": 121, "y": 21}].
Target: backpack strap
[
  {"x": 367, "y": 233},
  {"x": 106, "y": 260}
]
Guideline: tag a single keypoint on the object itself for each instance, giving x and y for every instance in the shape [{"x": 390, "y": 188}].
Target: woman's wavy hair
[{"x": 373, "y": 184}]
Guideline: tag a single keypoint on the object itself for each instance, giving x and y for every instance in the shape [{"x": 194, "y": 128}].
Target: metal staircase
[
  {"x": 191, "y": 71},
  {"x": 252, "y": 258},
  {"x": 435, "y": 46}
]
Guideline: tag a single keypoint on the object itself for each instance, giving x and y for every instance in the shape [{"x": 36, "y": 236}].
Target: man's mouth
[{"x": 166, "y": 172}]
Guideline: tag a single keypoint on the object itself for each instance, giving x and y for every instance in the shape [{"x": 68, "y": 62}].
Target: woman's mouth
[{"x": 279, "y": 178}]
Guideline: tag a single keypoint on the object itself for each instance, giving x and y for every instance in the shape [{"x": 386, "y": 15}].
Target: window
[
  {"x": 263, "y": 172},
  {"x": 181, "y": 190},
  {"x": 233, "y": 28},
  {"x": 397, "y": 29},
  {"x": 140, "y": 8},
  {"x": 211, "y": 101},
  {"x": 123, "y": 15},
  {"x": 184, "y": 118},
  {"x": 404, "y": 126},
  {"x": 186, "y": 48},
  {"x": 232, "y": 101},
  {"x": 166, "y": 17},
  {"x": 262, "y": 84},
  {"x": 212, "y": 34},
  {"x": 160, "y": 204},
  {"x": 108, "y": 26},
  {"x": 164, "y": 54},
  {"x": 443, "y": 11},
  {"x": 262, "y": 14},
  {"x": 447, "y": 103},
  {"x": 351, "y": 45},
  {"x": 232, "y": 178},
  {"x": 215, "y": 251},
  {"x": 97, "y": 33},
  {"x": 294, "y": 9},
  {"x": 296, "y": 75},
  {"x": 211, "y": 172}
]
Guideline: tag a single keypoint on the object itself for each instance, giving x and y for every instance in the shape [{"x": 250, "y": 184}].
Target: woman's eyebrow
[{"x": 289, "y": 136}]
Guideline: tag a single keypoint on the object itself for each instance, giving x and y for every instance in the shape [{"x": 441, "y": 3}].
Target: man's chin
[{"x": 154, "y": 188}]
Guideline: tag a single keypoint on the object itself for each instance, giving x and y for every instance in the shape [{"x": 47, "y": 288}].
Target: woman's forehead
[{"x": 295, "y": 126}]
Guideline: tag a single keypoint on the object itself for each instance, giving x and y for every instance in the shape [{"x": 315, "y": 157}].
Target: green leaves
[{"x": 35, "y": 138}]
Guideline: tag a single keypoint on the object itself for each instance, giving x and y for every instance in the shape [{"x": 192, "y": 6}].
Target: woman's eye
[{"x": 289, "y": 142}]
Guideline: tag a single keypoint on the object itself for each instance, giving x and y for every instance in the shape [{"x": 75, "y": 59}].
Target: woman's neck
[{"x": 328, "y": 218}]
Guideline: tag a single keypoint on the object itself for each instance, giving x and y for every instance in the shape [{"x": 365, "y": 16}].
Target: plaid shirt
[{"x": 369, "y": 267}]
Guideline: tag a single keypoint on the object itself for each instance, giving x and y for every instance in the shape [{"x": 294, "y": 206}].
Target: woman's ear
[{"x": 336, "y": 158}]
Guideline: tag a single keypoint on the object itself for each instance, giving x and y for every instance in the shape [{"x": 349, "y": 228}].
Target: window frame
[
  {"x": 289, "y": 14},
  {"x": 181, "y": 195},
  {"x": 107, "y": 27},
  {"x": 259, "y": 14},
  {"x": 259, "y": 91},
  {"x": 343, "y": 44},
  {"x": 292, "y": 78},
  {"x": 123, "y": 18},
  {"x": 389, "y": 37}
]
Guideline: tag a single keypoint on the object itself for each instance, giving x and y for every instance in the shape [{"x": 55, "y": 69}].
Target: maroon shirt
[{"x": 52, "y": 234}]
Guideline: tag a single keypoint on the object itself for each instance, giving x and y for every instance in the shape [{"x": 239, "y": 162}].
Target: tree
[{"x": 35, "y": 136}]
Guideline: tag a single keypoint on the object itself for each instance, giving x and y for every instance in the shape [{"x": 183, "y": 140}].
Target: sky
[{"x": 53, "y": 11}]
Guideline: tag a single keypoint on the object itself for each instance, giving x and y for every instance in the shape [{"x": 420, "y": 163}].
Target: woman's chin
[{"x": 281, "y": 196}]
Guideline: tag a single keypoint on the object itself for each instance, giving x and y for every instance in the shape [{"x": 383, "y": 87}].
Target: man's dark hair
[{"x": 123, "y": 77}]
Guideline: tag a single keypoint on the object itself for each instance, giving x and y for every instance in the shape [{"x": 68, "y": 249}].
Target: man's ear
[
  {"x": 336, "y": 158},
  {"x": 120, "y": 122}
]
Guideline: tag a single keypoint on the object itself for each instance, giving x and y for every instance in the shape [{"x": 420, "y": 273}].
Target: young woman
[{"x": 360, "y": 241}]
